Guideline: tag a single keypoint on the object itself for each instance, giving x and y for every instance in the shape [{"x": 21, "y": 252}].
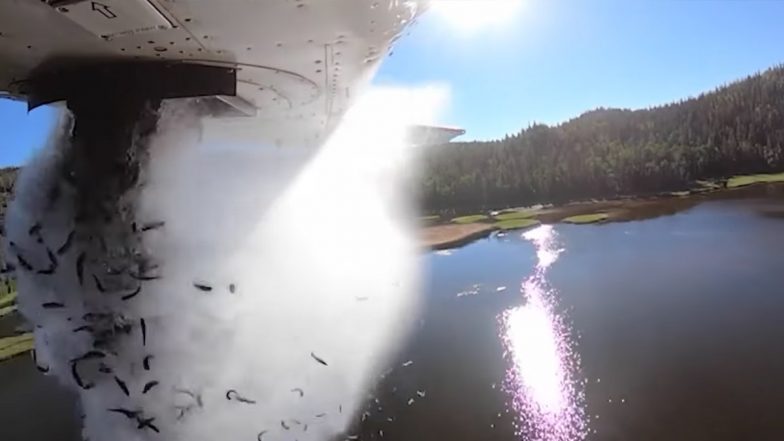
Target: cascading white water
[{"x": 261, "y": 288}]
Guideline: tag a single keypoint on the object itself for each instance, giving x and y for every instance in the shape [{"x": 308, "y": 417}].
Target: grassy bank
[
  {"x": 744, "y": 180},
  {"x": 586, "y": 218},
  {"x": 463, "y": 229},
  {"x": 470, "y": 219},
  {"x": 4, "y": 311},
  {"x": 515, "y": 224},
  {"x": 16, "y": 345},
  {"x": 7, "y": 299}
]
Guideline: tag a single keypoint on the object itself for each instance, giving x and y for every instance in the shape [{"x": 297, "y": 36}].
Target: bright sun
[{"x": 473, "y": 15}]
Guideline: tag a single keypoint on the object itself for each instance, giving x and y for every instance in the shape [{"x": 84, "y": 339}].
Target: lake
[{"x": 665, "y": 328}]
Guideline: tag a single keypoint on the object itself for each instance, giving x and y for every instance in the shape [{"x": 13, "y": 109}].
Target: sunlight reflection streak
[{"x": 542, "y": 380}]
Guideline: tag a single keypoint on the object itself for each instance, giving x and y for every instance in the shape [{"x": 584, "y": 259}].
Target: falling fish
[
  {"x": 202, "y": 287},
  {"x": 408, "y": 363},
  {"x": 410, "y": 401},
  {"x": 232, "y": 394},
  {"x": 77, "y": 378},
  {"x": 52, "y": 305},
  {"x": 35, "y": 229},
  {"x": 130, "y": 414},
  {"x": 149, "y": 386},
  {"x": 67, "y": 244},
  {"x": 146, "y": 362},
  {"x": 147, "y": 423},
  {"x": 421, "y": 393},
  {"x": 318, "y": 359},
  {"x": 132, "y": 294},
  {"x": 80, "y": 267},
  {"x": 152, "y": 226},
  {"x": 122, "y": 386},
  {"x": 144, "y": 331},
  {"x": 500, "y": 288}
]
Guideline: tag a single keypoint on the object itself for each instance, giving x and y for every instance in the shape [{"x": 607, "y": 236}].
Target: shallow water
[{"x": 666, "y": 328}]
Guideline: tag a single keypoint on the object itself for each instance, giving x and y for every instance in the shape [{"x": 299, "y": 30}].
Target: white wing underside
[{"x": 299, "y": 62}]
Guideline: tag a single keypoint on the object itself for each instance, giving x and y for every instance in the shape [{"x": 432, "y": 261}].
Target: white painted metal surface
[
  {"x": 115, "y": 18},
  {"x": 300, "y": 62}
]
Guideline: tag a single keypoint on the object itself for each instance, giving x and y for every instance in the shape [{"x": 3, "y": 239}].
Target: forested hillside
[
  {"x": 736, "y": 129},
  {"x": 7, "y": 179}
]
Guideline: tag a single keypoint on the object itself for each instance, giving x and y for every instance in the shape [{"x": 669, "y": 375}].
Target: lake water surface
[{"x": 670, "y": 328}]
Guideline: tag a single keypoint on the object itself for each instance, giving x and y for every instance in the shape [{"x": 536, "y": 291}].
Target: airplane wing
[
  {"x": 432, "y": 135},
  {"x": 294, "y": 66}
]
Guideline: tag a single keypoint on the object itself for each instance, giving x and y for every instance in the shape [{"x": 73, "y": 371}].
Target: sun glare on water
[
  {"x": 474, "y": 15},
  {"x": 543, "y": 375}
]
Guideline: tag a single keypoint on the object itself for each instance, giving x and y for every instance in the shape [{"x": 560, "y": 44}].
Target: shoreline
[{"x": 447, "y": 234}]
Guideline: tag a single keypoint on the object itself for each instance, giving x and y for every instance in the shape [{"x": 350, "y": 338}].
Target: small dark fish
[
  {"x": 48, "y": 271},
  {"x": 298, "y": 390},
  {"x": 196, "y": 397},
  {"x": 8, "y": 268},
  {"x": 92, "y": 355},
  {"x": 104, "y": 369},
  {"x": 202, "y": 287},
  {"x": 67, "y": 244},
  {"x": 133, "y": 294},
  {"x": 87, "y": 328},
  {"x": 361, "y": 299},
  {"x": 149, "y": 386},
  {"x": 37, "y": 366},
  {"x": 340, "y": 408},
  {"x": 284, "y": 425},
  {"x": 318, "y": 359},
  {"x": 35, "y": 229},
  {"x": 147, "y": 423},
  {"x": 146, "y": 362},
  {"x": 143, "y": 277},
  {"x": 232, "y": 394},
  {"x": 23, "y": 262},
  {"x": 122, "y": 385},
  {"x": 77, "y": 378},
  {"x": 305, "y": 428},
  {"x": 144, "y": 332},
  {"x": 232, "y": 288},
  {"x": 80, "y": 267},
  {"x": 152, "y": 226},
  {"x": 52, "y": 258},
  {"x": 52, "y": 305},
  {"x": 261, "y": 434},
  {"x": 98, "y": 284},
  {"x": 134, "y": 228},
  {"x": 130, "y": 414},
  {"x": 321, "y": 415}
]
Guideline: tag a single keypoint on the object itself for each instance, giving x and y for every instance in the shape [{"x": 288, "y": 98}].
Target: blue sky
[{"x": 550, "y": 60}]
